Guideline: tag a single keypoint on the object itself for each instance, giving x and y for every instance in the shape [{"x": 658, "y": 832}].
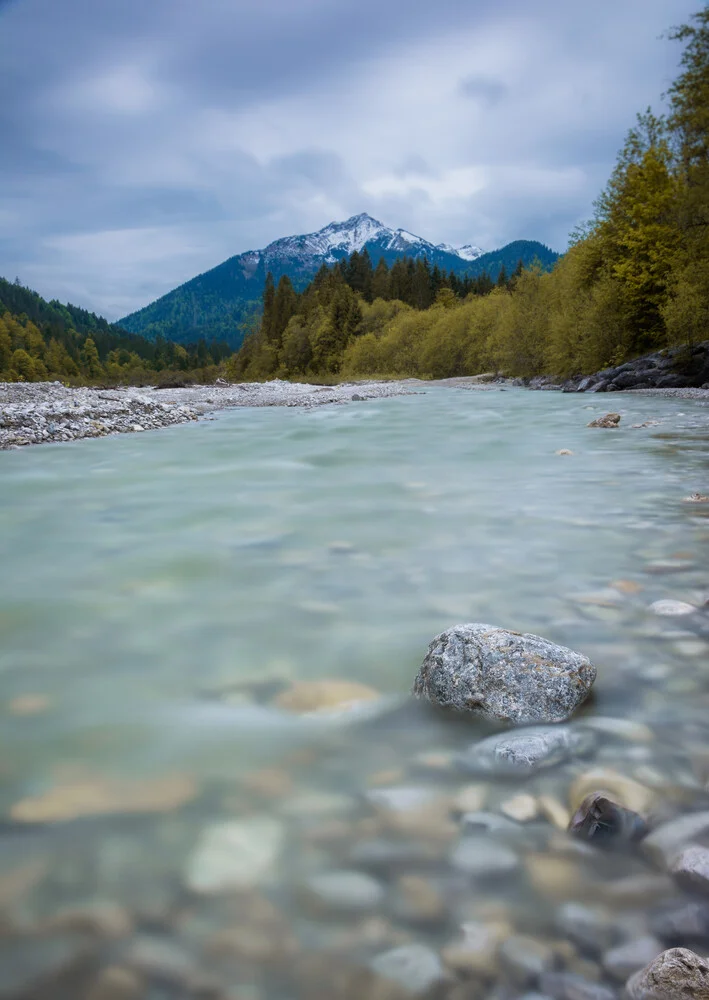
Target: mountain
[{"x": 218, "y": 303}]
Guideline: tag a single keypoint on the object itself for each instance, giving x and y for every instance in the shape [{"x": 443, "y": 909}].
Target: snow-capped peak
[
  {"x": 340, "y": 239},
  {"x": 466, "y": 252}
]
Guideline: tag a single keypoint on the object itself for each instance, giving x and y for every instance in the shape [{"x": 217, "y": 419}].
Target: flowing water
[{"x": 159, "y": 592}]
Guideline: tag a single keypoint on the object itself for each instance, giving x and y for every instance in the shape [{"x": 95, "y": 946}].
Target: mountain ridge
[{"x": 219, "y": 302}]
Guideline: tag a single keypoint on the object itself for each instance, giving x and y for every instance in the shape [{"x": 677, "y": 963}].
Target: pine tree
[
  {"x": 90, "y": 361},
  {"x": 269, "y": 301},
  {"x": 381, "y": 283}
]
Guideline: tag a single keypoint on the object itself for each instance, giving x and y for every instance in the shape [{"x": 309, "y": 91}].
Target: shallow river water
[{"x": 171, "y": 827}]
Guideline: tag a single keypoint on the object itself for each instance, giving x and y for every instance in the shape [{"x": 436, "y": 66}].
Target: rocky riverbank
[
  {"x": 42, "y": 412},
  {"x": 679, "y": 371}
]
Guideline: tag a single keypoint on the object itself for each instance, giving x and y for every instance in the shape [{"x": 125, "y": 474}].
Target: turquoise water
[{"x": 145, "y": 576}]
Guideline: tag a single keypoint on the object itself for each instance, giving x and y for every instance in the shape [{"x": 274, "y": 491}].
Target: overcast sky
[{"x": 145, "y": 141}]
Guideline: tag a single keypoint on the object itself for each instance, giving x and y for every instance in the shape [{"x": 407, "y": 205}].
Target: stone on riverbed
[
  {"x": 234, "y": 855},
  {"x": 690, "y": 869},
  {"x": 677, "y": 974},
  {"x": 504, "y": 675},
  {"x": 604, "y": 822},
  {"x": 525, "y": 751}
]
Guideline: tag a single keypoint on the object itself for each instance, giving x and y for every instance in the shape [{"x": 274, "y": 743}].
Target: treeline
[
  {"x": 635, "y": 277},
  {"x": 42, "y": 340},
  {"x": 309, "y": 333}
]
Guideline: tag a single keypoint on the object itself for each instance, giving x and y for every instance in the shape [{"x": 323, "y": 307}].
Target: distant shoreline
[{"x": 49, "y": 412}]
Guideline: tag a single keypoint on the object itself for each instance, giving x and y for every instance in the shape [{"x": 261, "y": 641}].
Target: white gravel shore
[{"x": 40, "y": 412}]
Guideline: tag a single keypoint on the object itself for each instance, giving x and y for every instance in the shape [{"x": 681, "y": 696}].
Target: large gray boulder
[{"x": 504, "y": 675}]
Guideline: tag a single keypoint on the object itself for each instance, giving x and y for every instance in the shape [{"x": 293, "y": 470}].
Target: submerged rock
[
  {"x": 666, "y": 840},
  {"x": 413, "y": 969},
  {"x": 324, "y": 695},
  {"x": 677, "y": 974},
  {"x": 234, "y": 855},
  {"x": 690, "y": 869},
  {"x": 603, "y": 821},
  {"x": 504, "y": 675},
  {"x": 526, "y": 750}
]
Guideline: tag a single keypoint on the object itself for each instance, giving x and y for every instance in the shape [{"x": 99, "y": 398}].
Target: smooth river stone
[
  {"x": 503, "y": 675},
  {"x": 668, "y": 839},
  {"x": 690, "y": 869},
  {"x": 525, "y": 751},
  {"x": 413, "y": 969},
  {"x": 236, "y": 854},
  {"x": 483, "y": 858},
  {"x": 342, "y": 892},
  {"x": 626, "y": 959},
  {"x": 677, "y": 974}
]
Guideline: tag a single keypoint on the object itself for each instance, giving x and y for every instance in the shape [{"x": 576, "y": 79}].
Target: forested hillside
[
  {"x": 47, "y": 340},
  {"x": 635, "y": 277}
]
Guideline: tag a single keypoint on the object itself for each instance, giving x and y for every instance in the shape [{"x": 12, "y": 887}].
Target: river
[{"x": 159, "y": 591}]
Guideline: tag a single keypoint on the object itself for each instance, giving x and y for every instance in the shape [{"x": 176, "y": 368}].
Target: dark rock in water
[
  {"x": 569, "y": 986},
  {"x": 503, "y": 675},
  {"x": 604, "y": 822},
  {"x": 690, "y": 869},
  {"x": 524, "y": 751},
  {"x": 677, "y": 974}
]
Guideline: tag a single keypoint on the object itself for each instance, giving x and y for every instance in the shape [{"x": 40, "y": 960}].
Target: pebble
[
  {"x": 31, "y": 964},
  {"x": 29, "y": 704},
  {"x": 671, "y": 608},
  {"x": 677, "y": 974},
  {"x": 104, "y": 918},
  {"x": 666, "y": 840},
  {"x": 160, "y": 958},
  {"x": 571, "y": 986},
  {"x": 474, "y": 953},
  {"x": 525, "y": 959},
  {"x": 591, "y": 928},
  {"x": 341, "y": 892},
  {"x": 116, "y": 983},
  {"x": 417, "y": 900},
  {"x": 522, "y": 808},
  {"x": 623, "y": 961},
  {"x": 682, "y": 923},
  {"x": 553, "y": 810},
  {"x": 690, "y": 869},
  {"x": 483, "y": 859},
  {"x": 234, "y": 855},
  {"x": 414, "y": 968},
  {"x": 524, "y": 751},
  {"x": 98, "y": 796},
  {"x": 502, "y": 675},
  {"x": 470, "y": 798},
  {"x": 553, "y": 877},
  {"x": 303, "y": 697}
]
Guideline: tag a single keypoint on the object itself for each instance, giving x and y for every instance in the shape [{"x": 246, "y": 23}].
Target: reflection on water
[{"x": 178, "y": 819}]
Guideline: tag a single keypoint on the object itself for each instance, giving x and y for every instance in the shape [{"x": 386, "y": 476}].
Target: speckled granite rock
[
  {"x": 504, "y": 675},
  {"x": 677, "y": 974}
]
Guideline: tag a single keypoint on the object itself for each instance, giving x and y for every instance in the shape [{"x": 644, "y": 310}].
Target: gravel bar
[{"x": 40, "y": 412}]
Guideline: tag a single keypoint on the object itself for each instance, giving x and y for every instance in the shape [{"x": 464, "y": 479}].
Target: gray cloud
[{"x": 144, "y": 143}]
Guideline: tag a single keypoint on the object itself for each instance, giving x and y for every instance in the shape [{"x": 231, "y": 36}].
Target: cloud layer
[{"x": 145, "y": 143}]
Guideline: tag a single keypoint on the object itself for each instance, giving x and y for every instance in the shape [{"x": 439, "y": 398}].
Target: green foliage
[{"x": 42, "y": 340}]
